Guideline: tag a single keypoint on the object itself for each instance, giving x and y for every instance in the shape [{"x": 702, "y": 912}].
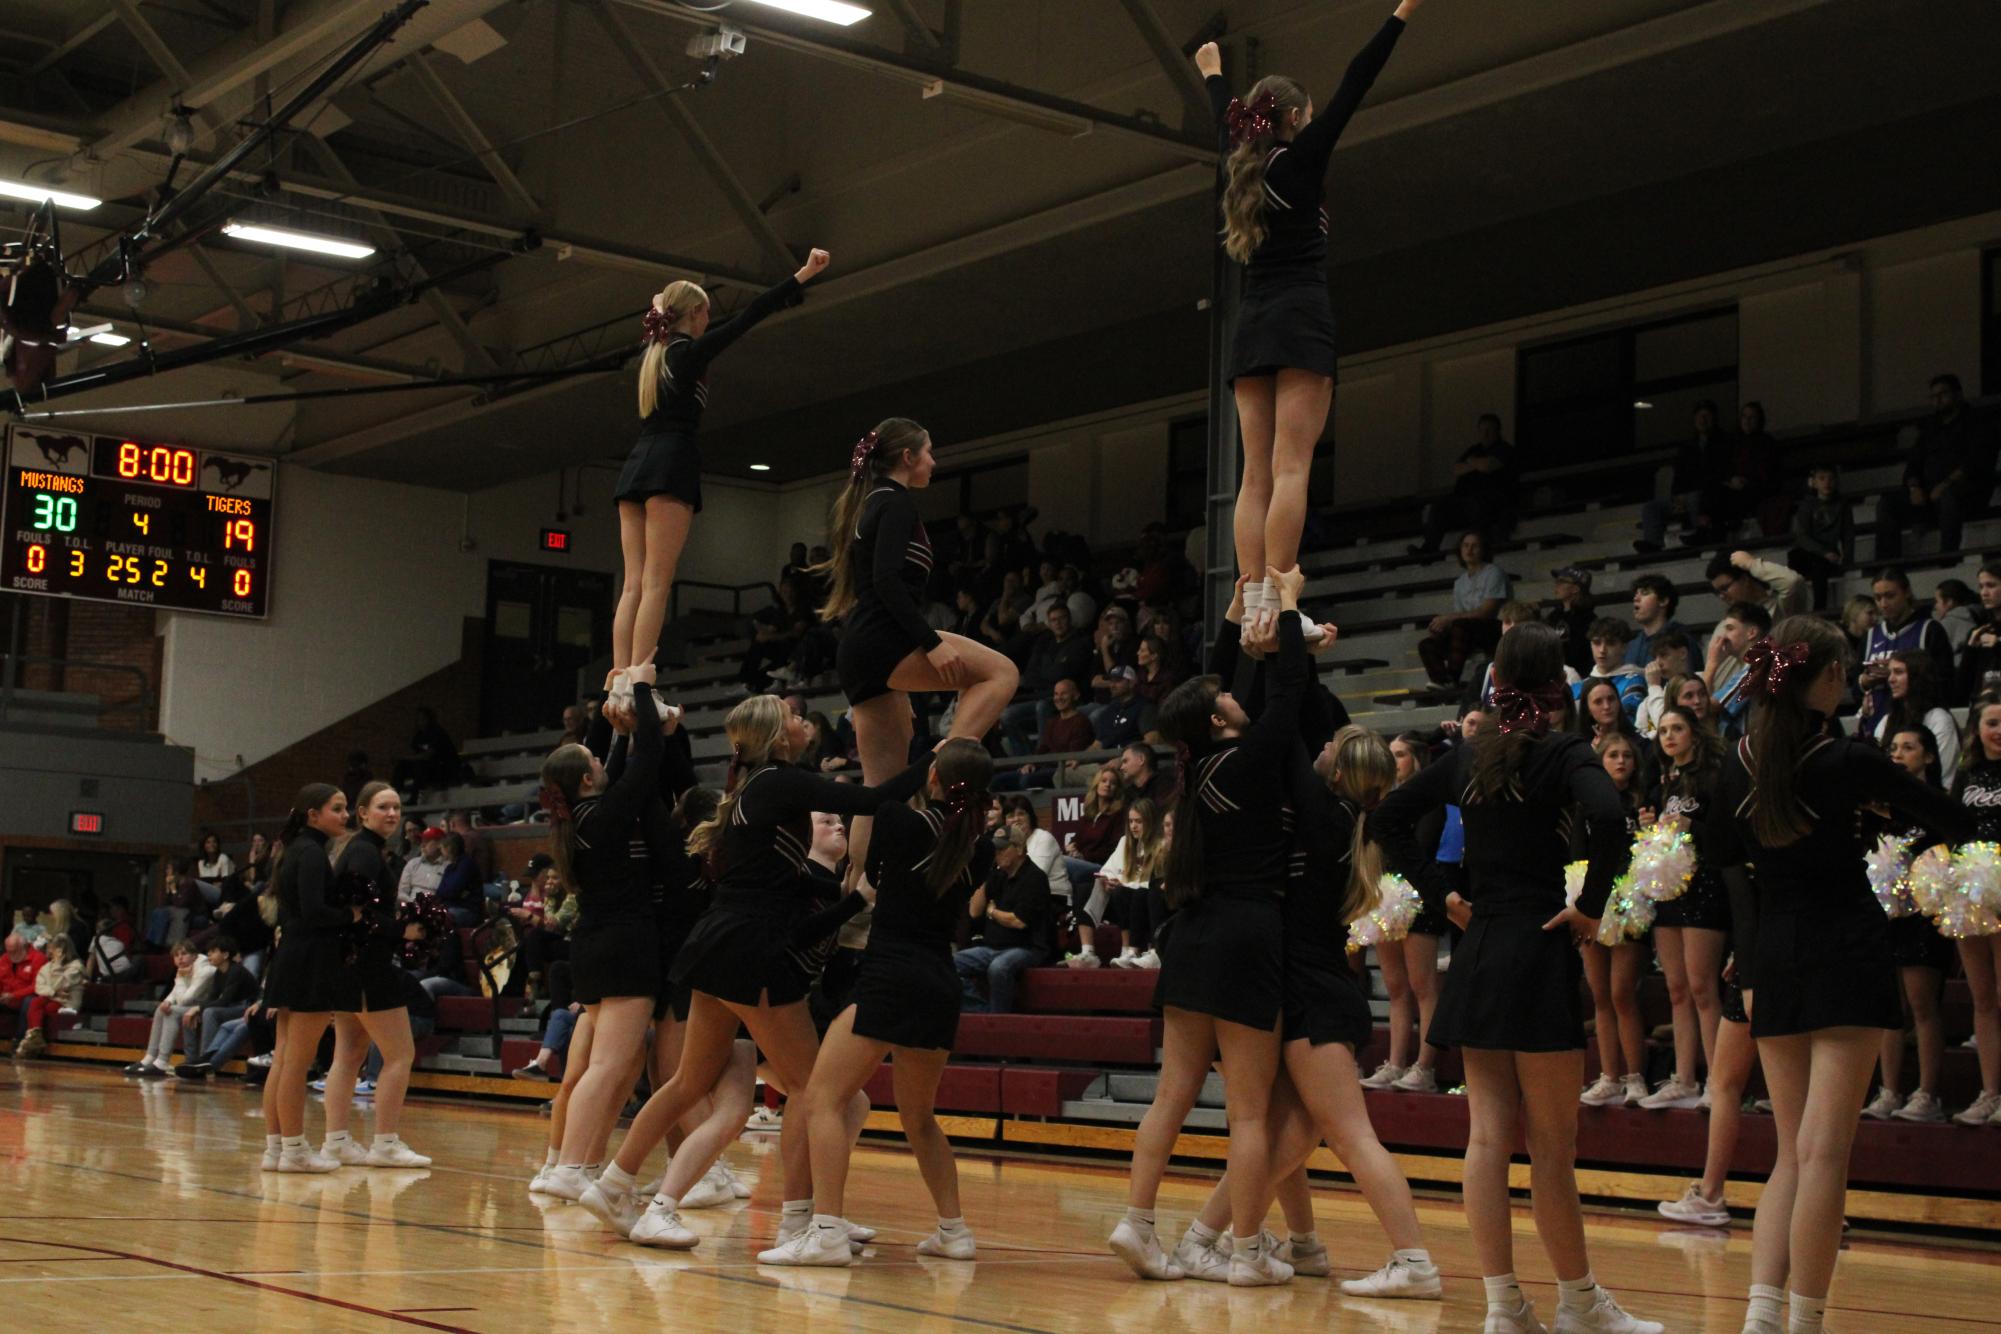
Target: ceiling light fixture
[
  {"x": 827, "y": 11},
  {"x": 35, "y": 194},
  {"x": 1643, "y": 405},
  {"x": 760, "y": 467},
  {"x": 110, "y": 339},
  {"x": 292, "y": 240}
]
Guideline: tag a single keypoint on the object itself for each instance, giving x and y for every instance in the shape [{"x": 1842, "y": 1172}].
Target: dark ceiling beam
[
  {"x": 1180, "y": 71},
  {"x": 924, "y": 43}
]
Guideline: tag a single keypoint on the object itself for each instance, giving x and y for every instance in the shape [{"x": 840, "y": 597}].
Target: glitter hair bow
[
  {"x": 554, "y": 802},
  {"x": 1525, "y": 710},
  {"x": 1255, "y": 121},
  {"x": 864, "y": 451},
  {"x": 658, "y": 325},
  {"x": 1768, "y": 663},
  {"x": 962, "y": 797}
]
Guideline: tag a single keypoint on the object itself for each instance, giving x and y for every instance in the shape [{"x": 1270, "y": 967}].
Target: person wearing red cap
[{"x": 423, "y": 874}]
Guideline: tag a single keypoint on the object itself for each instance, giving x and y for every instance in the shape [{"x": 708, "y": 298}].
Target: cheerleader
[
  {"x": 660, "y": 487},
  {"x": 1275, "y": 224},
  {"x": 373, "y": 1008},
  {"x": 1922, "y": 955},
  {"x": 1409, "y": 967},
  {"x": 876, "y": 574},
  {"x": 614, "y": 963},
  {"x": 926, "y": 867},
  {"x": 1824, "y": 976},
  {"x": 1978, "y": 788},
  {"x": 1691, "y": 932},
  {"x": 1221, "y": 983},
  {"x": 1337, "y": 873},
  {"x": 1511, "y": 998},
  {"x": 738, "y": 961},
  {"x": 304, "y": 981},
  {"x": 1614, "y": 971}
]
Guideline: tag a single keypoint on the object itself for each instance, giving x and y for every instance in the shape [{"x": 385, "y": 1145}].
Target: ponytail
[
  {"x": 1528, "y": 669},
  {"x": 673, "y": 304},
  {"x": 1254, "y": 133},
  {"x": 563, "y": 776},
  {"x": 1184, "y": 720},
  {"x": 874, "y": 456},
  {"x": 311, "y": 797},
  {"x": 754, "y": 728},
  {"x": 1363, "y": 771},
  {"x": 963, "y": 769},
  {"x": 1779, "y": 670}
]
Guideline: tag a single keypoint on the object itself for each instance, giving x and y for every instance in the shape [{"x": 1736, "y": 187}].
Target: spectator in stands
[
  {"x": 1144, "y": 779},
  {"x": 1655, "y": 602},
  {"x": 358, "y": 775},
  {"x": 257, "y": 862},
  {"x": 1950, "y": 476},
  {"x": 1609, "y": 638},
  {"x": 434, "y": 758},
  {"x": 194, "y": 977},
  {"x": 1472, "y": 625},
  {"x": 19, "y": 962},
  {"x": 775, "y": 631},
  {"x": 1483, "y": 490},
  {"x": 1135, "y": 899},
  {"x": 478, "y": 846},
  {"x": 1823, "y": 531},
  {"x": 460, "y": 888},
  {"x": 1125, "y": 716},
  {"x": 1101, "y": 822},
  {"x": 1601, "y": 711},
  {"x": 1743, "y": 577},
  {"x": 1016, "y": 906},
  {"x": 1957, "y": 608},
  {"x": 1901, "y": 623},
  {"x": 1705, "y": 457},
  {"x": 576, "y": 726},
  {"x": 1043, "y": 850},
  {"x": 1748, "y": 481},
  {"x": 245, "y": 923},
  {"x": 233, "y": 993},
  {"x": 1065, "y": 729},
  {"x": 1672, "y": 657},
  {"x": 180, "y": 896},
  {"x": 561, "y": 1023},
  {"x": 58, "y": 991},
  {"x": 1114, "y": 642},
  {"x": 1909, "y": 683},
  {"x": 1742, "y": 625},
  {"x": 1979, "y": 664},
  {"x": 1569, "y": 613},
  {"x": 1058, "y": 653},
  {"x": 423, "y": 873},
  {"x": 62, "y": 920},
  {"x": 1156, "y": 676},
  {"x": 545, "y": 938},
  {"x": 111, "y": 958},
  {"x": 211, "y": 862},
  {"x": 231, "y": 1036}
]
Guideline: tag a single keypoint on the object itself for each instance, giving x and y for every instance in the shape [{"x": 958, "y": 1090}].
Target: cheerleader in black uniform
[
  {"x": 738, "y": 960},
  {"x": 1410, "y": 966},
  {"x": 660, "y": 488},
  {"x": 1275, "y": 224},
  {"x": 1221, "y": 975},
  {"x": 1922, "y": 955},
  {"x": 1691, "y": 932},
  {"x": 1511, "y": 997},
  {"x": 373, "y": 1009},
  {"x": 1978, "y": 788},
  {"x": 1825, "y": 980},
  {"x": 1614, "y": 971},
  {"x": 305, "y": 979},
  {"x": 926, "y": 866},
  {"x": 614, "y": 965},
  {"x": 876, "y": 574}
]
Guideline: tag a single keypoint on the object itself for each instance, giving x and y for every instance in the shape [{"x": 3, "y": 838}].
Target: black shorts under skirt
[
  {"x": 1512, "y": 986},
  {"x": 308, "y": 972},
  {"x": 1223, "y": 956},
  {"x": 612, "y": 960},
  {"x": 739, "y": 957},
  {"x": 871, "y": 648},
  {"x": 374, "y": 981},
  {"x": 1324, "y": 1001},
  {"x": 1825, "y": 968},
  {"x": 662, "y": 464},
  {"x": 1285, "y": 322},
  {"x": 907, "y": 995}
]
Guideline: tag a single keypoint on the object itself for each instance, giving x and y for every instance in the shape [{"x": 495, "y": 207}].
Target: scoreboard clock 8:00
[{"x": 118, "y": 520}]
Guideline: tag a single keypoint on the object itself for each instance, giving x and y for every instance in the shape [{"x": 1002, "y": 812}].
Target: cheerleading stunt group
[{"x": 704, "y": 920}]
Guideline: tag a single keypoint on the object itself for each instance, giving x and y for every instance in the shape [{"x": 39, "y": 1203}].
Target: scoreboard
[{"x": 117, "y": 520}]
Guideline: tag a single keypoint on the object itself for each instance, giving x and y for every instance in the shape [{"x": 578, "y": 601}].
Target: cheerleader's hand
[
  {"x": 1458, "y": 910},
  {"x": 1582, "y": 928},
  {"x": 1209, "y": 60},
  {"x": 816, "y": 264},
  {"x": 1235, "y": 615},
  {"x": 642, "y": 673},
  {"x": 670, "y": 721},
  {"x": 1329, "y": 632},
  {"x": 945, "y": 660}
]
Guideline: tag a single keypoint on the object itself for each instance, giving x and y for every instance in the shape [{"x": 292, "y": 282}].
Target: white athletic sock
[
  {"x": 1139, "y": 1217},
  {"x": 1765, "y": 1303},
  {"x": 292, "y": 1142},
  {"x": 384, "y": 1141},
  {"x": 1503, "y": 1292},
  {"x": 1254, "y": 597},
  {"x": 1305, "y": 1238},
  {"x": 830, "y": 1220},
  {"x": 1577, "y": 1293},
  {"x": 952, "y": 1226},
  {"x": 1415, "y": 1255},
  {"x": 274, "y": 1141},
  {"x": 796, "y": 1209},
  {"x": 549, "y": 1159},
  {"x": 1203, "y": 1233},
  {"x": 338, "y": 1136},
  {"x": 1271, "y": 597},
  {"x": 1807, "y": 1316},
  {"x": 1248, "y": 1247},
  {"x": 618, "y": 1179}
]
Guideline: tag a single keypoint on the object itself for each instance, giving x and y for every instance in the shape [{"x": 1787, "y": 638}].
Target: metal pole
[{"x": 1219, "y": 572}]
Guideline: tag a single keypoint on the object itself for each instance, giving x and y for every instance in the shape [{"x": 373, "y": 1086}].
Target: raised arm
[
  {"x": 1394, "y": 825},
  {"x": 783, "y": 793},
  {"x": 1317, "y": 139},
  {"x": 1276, "y": 730},
  {"x": 640, "y": 782},
  {"x": 701, "y": 351},
  {"x": 895, "y": 531}
]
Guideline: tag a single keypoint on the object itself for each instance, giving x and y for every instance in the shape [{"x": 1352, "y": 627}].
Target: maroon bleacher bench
[{"x": 1046, "y": 1037}]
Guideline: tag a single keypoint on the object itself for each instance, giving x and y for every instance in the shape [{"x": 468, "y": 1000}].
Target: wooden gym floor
[{"x": 139, "y": 1206}]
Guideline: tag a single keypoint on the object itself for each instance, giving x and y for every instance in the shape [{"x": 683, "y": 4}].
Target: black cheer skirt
[
  {"x": 1916, "y": 943},
  {"x": 670, "y": 933},
  {"x": 739, "y": 957},
  {"x": 1285, "y": 322},
  {"x": 614, "y": 960},
  {"x": 871, "y": 648},
  {"x": 308, "y": 972},
  {"x": 374, "y": 982},
  {"x": 907, "y": 995},
  {"x": 1826, "y": 967},
  {"x": 662, "y": 464},
  {"x": 1324, "y": 1001},
  {"x": 1224, "y": 956},
  {"x": 1704, "y": 905},
  {"x": 1512, "y": 986}
]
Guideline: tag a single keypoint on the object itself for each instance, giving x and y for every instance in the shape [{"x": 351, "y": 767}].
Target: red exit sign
[
  {"x": 86, "y": 822},
  {"x": 556, "y": 539}
]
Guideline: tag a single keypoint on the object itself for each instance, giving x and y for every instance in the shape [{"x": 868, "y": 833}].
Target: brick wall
[
  {"x": 103, "y": 632},
  {"x": 382, "y": 731}
]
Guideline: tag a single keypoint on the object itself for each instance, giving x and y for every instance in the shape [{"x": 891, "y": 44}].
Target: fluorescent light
[
  {"x": 760, "y": 467},
  {"x": 1643, "y": 405},
  {"x": 827, "y": 11},
  {"x": 291, "y": 240},
  {"x": 35, "y": 194},
  {"x": 110, "y": 339}
]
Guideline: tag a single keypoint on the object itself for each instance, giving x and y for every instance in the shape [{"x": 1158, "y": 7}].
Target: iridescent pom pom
[
  {"x": 1573, "y": 882},
  {"x": 1396, "y": 908},
  {"x": 1933, "y": 881},
  {"x": 1628, "y": 915},
  {"x": 1889, "y": 866},
  {"x": 1663, "y": 861}
]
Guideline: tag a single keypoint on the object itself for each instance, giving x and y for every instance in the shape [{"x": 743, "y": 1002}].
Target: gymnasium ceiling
[{"x": 989, "y": 273}]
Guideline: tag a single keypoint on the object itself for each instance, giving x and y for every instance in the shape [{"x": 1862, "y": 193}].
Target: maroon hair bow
[
  {"x": 1767, "y": 664},
  {"x": 1525, "y": 710},
  {"x": 864, "y": 451},
  {"x": 1255, "y": 121},
  {"x": 962, "y": 797},
  {"x": 658, "y": 325},
  {"x": 554, "y": 802},
  {"x": 1183, "y": 757}
]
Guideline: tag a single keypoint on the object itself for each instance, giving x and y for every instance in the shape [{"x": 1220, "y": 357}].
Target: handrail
[{"x": 736, "y": 592}]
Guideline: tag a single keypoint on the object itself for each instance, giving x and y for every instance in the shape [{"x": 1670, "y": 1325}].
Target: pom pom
[
  {"x": 1396, "y": 908},
  {"x": 1969, "y": 898},
  {"x": 1573, "y": 882},
  {"x": 1629, "y": 914},
  {"x": 1663, "y": 861},
  {"x": 1889, "y": 867},
  {"x": 1980, "y": 875},
  {"x": 1933, "y": 880}
]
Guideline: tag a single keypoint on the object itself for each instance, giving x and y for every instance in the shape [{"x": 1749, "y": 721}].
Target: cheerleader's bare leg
[
  {"x": 621, "y": 1030},
  {"x": 843, "y": 1066},
  {"x": 1257, "y": 408},
  {"x": 350, "y": 1050},
  {"x": 666, "y": 533},
  {"x": 727, "y": 1107},
  {"x": 1301, "y": 400},
  {"x": 1822, "y": 1079}
]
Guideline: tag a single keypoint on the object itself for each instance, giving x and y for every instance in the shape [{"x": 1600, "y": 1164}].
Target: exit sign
[
  {"x": 556, "y": 539},
  {"x": 86, "y": 822}
]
